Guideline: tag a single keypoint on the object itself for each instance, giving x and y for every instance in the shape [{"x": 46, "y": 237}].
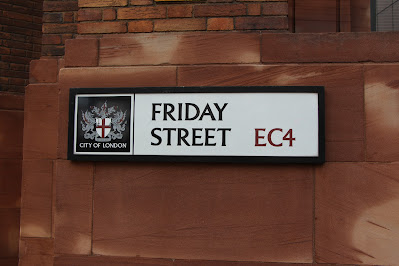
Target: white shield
[{"x": 103, "y": 126}]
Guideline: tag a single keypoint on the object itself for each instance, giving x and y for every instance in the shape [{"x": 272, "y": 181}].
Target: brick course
[
  {"x": 60, "y": 23},
  {"x": 63, "y": 20}
]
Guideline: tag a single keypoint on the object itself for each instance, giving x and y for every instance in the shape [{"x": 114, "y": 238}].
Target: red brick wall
[
  {"x": 96, "y": 213},
  {"x": 20, "y": 38},
  {"x": 59, "y": 25},
  {"x": 99, "y": 17},
  {"x": 64, "y": 20}
]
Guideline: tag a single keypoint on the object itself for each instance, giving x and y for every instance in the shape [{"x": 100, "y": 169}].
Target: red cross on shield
[{"x": 103, "y": 126}]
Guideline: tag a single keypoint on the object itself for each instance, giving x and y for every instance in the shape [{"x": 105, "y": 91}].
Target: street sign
[{"x": 204, "y": 124}]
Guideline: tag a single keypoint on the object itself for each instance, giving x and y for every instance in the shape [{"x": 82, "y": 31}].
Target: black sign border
[{"x": 210, "y": 159}]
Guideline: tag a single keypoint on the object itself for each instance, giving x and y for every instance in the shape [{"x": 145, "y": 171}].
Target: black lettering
[
  {"x": 220, "y": 110},
  {"x": 155, "y": 111},
  {"x": 208, "y": 137},
  {"x": 196, "y": 109},
  {"x": 180, "y": 111},
  {"x": 167, "y": 112},
  {"x": 207, "y": 111},
  {"x": 169, "y": 130},
  {"x": 156, "y": 136},
  {"x": 224, "y": 130},
  {"x": 195, "y": 137},
  {"x": 180, "y": 137}
]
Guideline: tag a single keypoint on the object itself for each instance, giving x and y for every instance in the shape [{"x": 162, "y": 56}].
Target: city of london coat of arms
[{"x": 103, "y": 124}]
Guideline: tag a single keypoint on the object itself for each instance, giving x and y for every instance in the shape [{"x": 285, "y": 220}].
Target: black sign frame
[{"x": 210, "y": 159}]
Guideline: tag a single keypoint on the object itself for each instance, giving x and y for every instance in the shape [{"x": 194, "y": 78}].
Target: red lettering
[
  {"x": 289, "y": 137},
  {"x": 257, "y": 137},
  {"x": 269, "y": 137}
]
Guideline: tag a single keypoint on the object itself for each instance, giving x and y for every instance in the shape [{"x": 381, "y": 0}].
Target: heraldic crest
[{"x": 103, "y": 124}]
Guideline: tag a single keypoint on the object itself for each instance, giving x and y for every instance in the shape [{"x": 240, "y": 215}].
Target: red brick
[
  {"x": 142, "y": 12},
  {"x": 193, "y": 48},
  {"x": 9, "y": 232},
  {"x": 220, "y": 24},
  {"x": 201, "y": 200},
  {"x": 17, "y": 81},
  {"x": 53, "y": 6},
  {"x": 330, "y": 47},
  {"x": 102, "y": 27},
  {"x": 5, "y": 50},
  {"x": 17, "y": 52},
  {"x": 17, "y": 16},
  {"x": 43, "y": 71},
  {"x": 73, "y": 207},
  {"x": 36, "y": 213},
  {"x": 261, "y": 23},
  {"x": 382, "y": 105},
  {"x": 344, "y": 96},
  {"x": 141, "y": 2},
  {"x": 275, "y": 9},
  {"x": 69, "y": 17},
  {"x": 183, "y": 24},
  {"x": 253, "y": 9},
  {"x": 10, "y": 183},
  {"x": 106, "y": 77},
  {"x": 51, "y": 39},
  {"x": 109, "y": 261},
  {"x": 102, "y": 3},
  {"x": 52, "y": 17},
  {"x": 59, "y": 28},
  {"x": 357, "y": 213},
  {"x": 11, "y": 134},
  {"x": 181, "y": 11},
  {"x": 140, "y": 26},
  {"x": 109, "y": 14},
  {"x": 219, "y": 10},
  {"x": 89, "y": 14},
  {"x": 41, "y": 120},
  {"x": 81, "y": 53},
  {"x": 53, "y": 50},
  {"x": 65, "y": 37}
]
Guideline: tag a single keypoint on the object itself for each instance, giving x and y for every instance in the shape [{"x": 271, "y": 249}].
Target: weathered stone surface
[
  {"x": 330, "y": 47},
  {"x": 37, "y": 194},
  {"x": 10, "y": 101},
  {"x": 81, "y": 52},
  {"x": 43, "y": 71},
  {"x": 109, "y": 261},
  {"x": 191, "y": 48},
  {"x": 9, "y": 232},
  {"x": 357, "y": 213},
  {"x": 10, "y": 183},
  {"x": 201, "y": 211},
  {"x": 41, "y": 119},
  {"x": 73, "y": 207},
  {"x": 382, "y": 111},
  {"x": 12, "y": 122}
]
